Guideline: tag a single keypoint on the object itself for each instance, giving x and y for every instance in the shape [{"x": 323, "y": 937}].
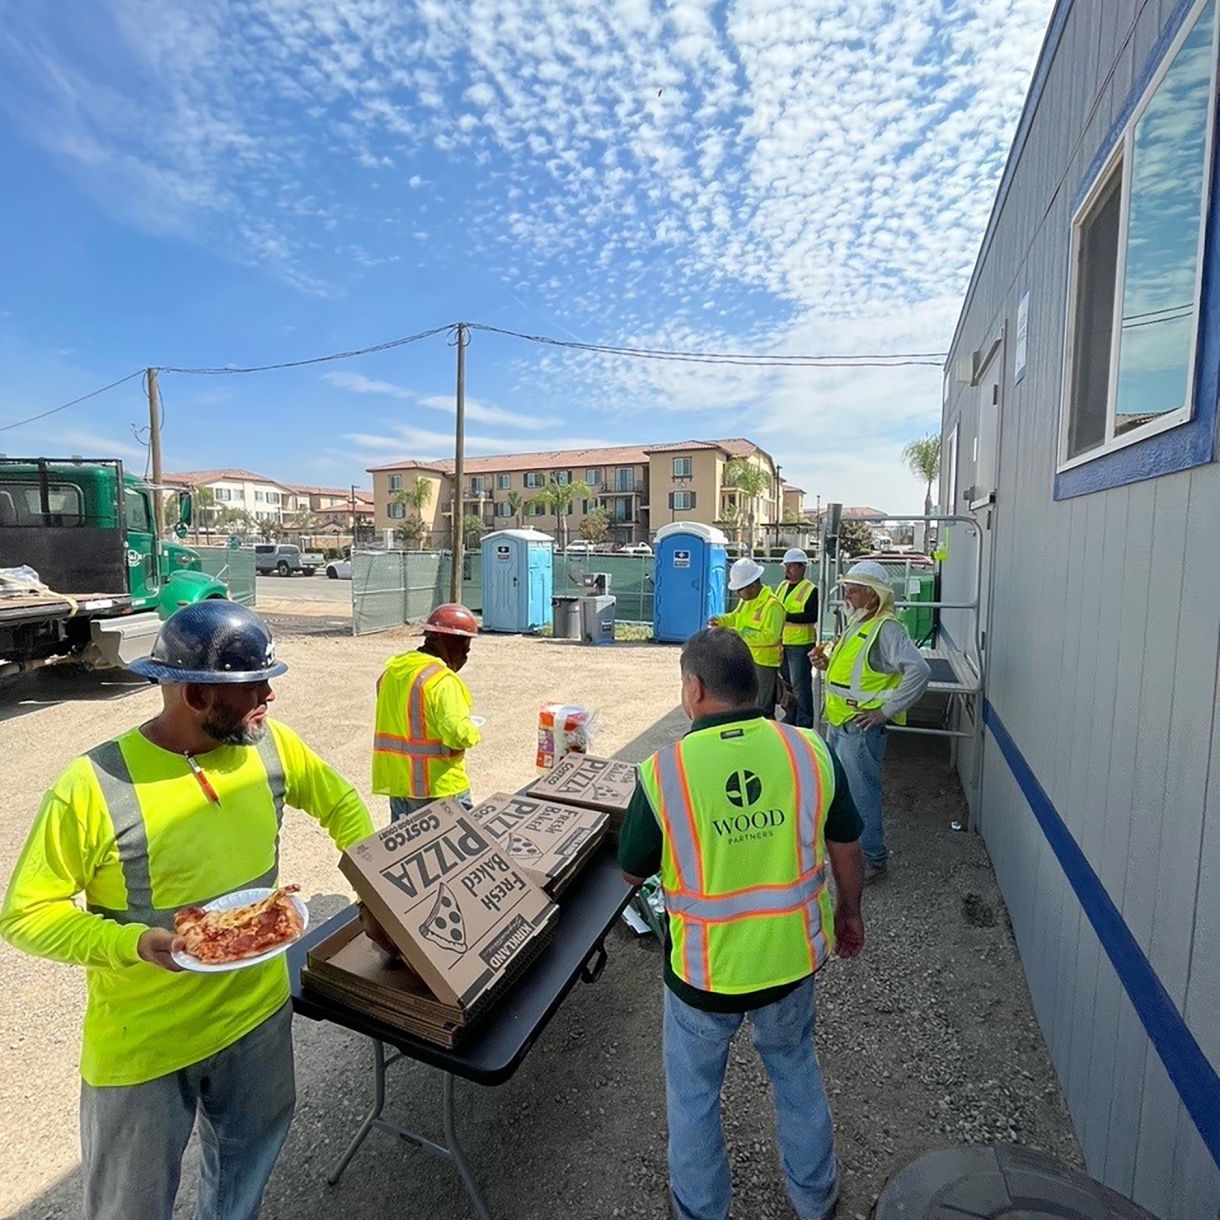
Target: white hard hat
[
  {"x": 796, "y": 555},
  {"x": 871, "y": 574},
  {"x": 743, "y": 572}
]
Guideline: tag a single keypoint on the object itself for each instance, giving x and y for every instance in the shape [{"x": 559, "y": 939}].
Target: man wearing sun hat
[
  {"x": 182, "y": 810},
  {"x": 873, "y": 674},
  {"x": 759, "y": 620}
]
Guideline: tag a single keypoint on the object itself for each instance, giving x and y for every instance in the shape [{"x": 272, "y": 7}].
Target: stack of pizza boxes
[
  {"x": 591, "y": 783},
  {"x": 548, "y": 841},
  {"x": 465, "y": 917}
]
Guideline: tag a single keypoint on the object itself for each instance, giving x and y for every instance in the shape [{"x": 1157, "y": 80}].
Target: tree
[
  {"x": 855, "y": 537},
  {"x": 204, "y": 506},
  {"x": 755, "y": 482},
  {"x": 923, "y": 460},
  {"x": 472, "y": 531},
  {"x": 730, "y": 518},
  {"x": 414, "y": 498},
  {"x": 596, "y": 525},
  {"x": 515, "y": 503},
  {"x": 557, "y": 499}
]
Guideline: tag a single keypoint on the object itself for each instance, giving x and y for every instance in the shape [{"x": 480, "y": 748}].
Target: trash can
[
  {"x": 597, "y": 620},
  {"x": 565, "y": 618}
]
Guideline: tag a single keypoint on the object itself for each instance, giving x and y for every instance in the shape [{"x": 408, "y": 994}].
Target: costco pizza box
[
  {"x": 448, "y": 896},
  {"x": 548, "y": 841},
  {"x": 593, "y": 783}
]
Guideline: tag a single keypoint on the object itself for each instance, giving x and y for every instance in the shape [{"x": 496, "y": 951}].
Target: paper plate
[
  {"x": 478, "y": 721},
  {"x": 241, "y": 898}
]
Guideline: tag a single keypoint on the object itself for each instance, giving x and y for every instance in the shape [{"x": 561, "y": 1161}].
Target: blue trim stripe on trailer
[{"x": 1192, "y": 1075}]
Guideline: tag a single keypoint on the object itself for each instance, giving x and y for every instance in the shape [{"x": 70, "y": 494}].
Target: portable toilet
[
  {"x": 517, "y": 580},
  {"x": 690, "y": 579}
]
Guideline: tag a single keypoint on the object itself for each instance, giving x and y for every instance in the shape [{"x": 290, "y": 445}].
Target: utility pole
[
  {"x": 154, "y": 445},
  {"x": 459, "y": 468},
  {"x": 353, "y": 514}
]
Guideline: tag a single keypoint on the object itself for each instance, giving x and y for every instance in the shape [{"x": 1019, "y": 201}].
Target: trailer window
[
  {"x": 136, "y": 507},
  {"x": 23, "y": 501}
]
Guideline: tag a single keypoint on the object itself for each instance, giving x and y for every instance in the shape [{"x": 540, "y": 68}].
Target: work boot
[{"x": 875, "y": 872}]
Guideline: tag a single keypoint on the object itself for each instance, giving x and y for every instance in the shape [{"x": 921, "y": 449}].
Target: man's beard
[{"x": 235, "y": 733}]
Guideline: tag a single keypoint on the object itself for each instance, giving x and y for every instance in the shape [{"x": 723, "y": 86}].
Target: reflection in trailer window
[
  {"x": 138, "y": 520},
  {"x": 22, "y": 503},
  {"x": 1137, "y": 256}
]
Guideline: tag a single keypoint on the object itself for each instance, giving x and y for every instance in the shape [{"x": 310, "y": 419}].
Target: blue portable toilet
[
  {"x": 689, "y": 578},
  {"x": 517, "y": 580}
]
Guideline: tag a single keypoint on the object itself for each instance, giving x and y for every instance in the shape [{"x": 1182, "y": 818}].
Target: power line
[
  {"x": 866, "y": 360},
  {"x": 296, "y": 364},
  {"x": 64, "y": 406}
]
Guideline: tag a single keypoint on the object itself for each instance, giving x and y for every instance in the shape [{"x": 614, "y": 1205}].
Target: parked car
[
  {"x": 284, "y": 558},
  {"x": 580, "y": 546},
  {"x": 339, "y": 569},
  {"x": 636, "y": 548}
]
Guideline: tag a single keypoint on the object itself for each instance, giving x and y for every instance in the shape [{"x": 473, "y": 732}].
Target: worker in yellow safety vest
[
  {"x": 759, "y": 619},
  {"x": 184, "y": 809},
  {"x": 874, "y": 673},
  {"x": 424, "y": 726},
  {"x": 799, "y": 596},
  {"x": 742, "y": 817}
]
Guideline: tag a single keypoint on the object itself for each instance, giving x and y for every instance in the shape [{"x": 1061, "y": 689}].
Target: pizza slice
[
  {"x": 523, "y": 848},
  {"x": 231, "y": 935},
  {"x": 445, "y": 925}
]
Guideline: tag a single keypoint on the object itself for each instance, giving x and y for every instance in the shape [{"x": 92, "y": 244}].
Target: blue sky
[{"x": 200, "y": 183}]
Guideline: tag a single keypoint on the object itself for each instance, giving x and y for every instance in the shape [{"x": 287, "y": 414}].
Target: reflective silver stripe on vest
[
  {"x": 131, "y": 836},
  {"x": 810, "y": 798},
  {"x": 855, "y": 693},
  {"x": 695, "y": 955},
  {"x": 674, "y": 813},
  {"x": 423, "y": 749},
  {"x": 762, "y": 900}
]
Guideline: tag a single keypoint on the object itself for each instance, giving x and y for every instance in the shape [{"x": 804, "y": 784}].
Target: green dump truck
[{"x": 83, "y": 572}]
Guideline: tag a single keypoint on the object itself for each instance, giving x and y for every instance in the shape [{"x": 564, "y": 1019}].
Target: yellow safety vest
[
  {"x": 423, "y": 729},
  {"x": 742, "y": 809},
  {"x": 760, "y": 624},
  {"x": 132, "y": 828},
  {"x": 794, "y": 598},
  {"x": 852, "y": 684}
]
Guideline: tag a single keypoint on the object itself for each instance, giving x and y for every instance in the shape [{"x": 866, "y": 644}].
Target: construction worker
[
  {"x": 423, "y": 717},
  {"x": 181, "y": 810},
  {"x": 874, "y": 673},
  {"x": 741, "y": 817},
  {"x": 800, "y": 601},
  {"x": 759, "y": 619}
]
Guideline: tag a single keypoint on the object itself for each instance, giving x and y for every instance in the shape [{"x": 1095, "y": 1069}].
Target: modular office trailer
[{"x": 1079, "y": 424}]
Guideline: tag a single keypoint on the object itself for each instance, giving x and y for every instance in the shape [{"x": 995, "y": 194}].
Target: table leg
[
  {"x": 373, "y": 1115},
  {"x": 458, "y": 1157}
]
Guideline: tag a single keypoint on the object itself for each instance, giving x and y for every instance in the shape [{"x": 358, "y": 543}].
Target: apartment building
[
  {"x": 640, "y": 488},
  {"x": 332, "y": 509},
  {"x": 265, "y": 499}
]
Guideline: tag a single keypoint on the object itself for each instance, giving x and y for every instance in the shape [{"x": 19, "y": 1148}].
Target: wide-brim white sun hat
[
  {"x": 796, "y": 555},
  {"x": 744, "y": 572}
]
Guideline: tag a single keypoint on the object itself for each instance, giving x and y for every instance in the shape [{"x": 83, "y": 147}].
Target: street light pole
[{"x": 459, "y": 466}]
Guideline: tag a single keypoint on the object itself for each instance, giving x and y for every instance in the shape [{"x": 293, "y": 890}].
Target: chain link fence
[{"x": 232, "y": 566}]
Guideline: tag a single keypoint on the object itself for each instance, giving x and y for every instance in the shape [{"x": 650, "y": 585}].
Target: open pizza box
[
  {"x": 463, "y": 915},
  {"x": 548, "y": 841},
  {"x": 592, "y": 783}
]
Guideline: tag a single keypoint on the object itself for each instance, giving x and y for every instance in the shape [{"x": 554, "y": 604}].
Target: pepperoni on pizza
[{"x": 217, "y": 937}]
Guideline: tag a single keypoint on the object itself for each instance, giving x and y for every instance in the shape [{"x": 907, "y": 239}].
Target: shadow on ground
[{"x": 65, "y": 683}]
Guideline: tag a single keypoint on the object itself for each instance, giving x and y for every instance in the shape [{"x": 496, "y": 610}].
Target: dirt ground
[{"x": 926, "y": 1040}]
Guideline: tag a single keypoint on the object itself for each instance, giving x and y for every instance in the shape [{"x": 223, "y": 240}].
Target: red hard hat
[{"x": 451, "y": 619}]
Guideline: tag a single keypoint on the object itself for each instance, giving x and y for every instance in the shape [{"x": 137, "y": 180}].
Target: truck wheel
[
  {"x": 282, "y": 568},
  {"x": 331, "y": 574},
  {"x": 309, "y": 571}
]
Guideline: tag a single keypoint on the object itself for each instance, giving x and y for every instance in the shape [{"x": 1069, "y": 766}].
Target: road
[{"x": 304, "y": 589}]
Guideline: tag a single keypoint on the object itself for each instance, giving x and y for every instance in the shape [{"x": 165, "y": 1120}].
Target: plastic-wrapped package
[{"x": 563, "y": 728}]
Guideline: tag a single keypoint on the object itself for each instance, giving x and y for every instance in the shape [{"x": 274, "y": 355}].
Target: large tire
[
  {"x": 331, "y": 573},
  {"x": 282, "y": 568},
  {"x": 308, "y": 571}
]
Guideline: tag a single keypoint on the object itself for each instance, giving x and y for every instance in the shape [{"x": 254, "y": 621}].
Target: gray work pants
[{"x": 766, "y": 689}]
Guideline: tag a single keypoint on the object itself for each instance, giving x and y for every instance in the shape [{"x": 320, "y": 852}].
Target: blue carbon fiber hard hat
[{"x": 212, "y": 641}]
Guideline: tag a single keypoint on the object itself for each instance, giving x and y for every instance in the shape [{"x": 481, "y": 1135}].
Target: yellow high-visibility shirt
[
  {"x": 130, "y": 828},
  {"x": 760, "y": 623},
  {"x": 423, "y": 729}
]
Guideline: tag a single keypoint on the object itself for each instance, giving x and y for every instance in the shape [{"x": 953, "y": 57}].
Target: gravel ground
[{"x": 927, "y": 1040}]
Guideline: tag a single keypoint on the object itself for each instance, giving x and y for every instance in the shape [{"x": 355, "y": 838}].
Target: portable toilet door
[
  {"x": 540, "y": 582},
  {"x": 689, "y": 579},
  {"x": 516, "y": 580}
]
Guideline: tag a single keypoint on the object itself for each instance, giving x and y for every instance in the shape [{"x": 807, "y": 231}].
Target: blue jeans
[
  {"x": 403, "y": 806},
  {"x": 861, "y": 754},
  {"x": 133, "y": 1136},
  {"x": 696, "y": 1052},
  {"x": 798, "y": 673}
]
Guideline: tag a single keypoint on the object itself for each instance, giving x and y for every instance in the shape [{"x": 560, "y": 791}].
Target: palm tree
[
  {"x": 558, "y": 497},
  {"x": 923, "y": 460},
  {"x": 414, "y": 497},
  {"x": 755, "y": 482},
  {"x": 515, "y": 503}
]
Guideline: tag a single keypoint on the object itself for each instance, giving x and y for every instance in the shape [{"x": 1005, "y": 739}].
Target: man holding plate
[{"x": 176, "y": 813}]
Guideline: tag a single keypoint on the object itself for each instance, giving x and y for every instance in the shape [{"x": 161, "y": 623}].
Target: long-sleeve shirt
[
  {"x": 142, "y": 1021},
  {"x": 894, "y": 653}
]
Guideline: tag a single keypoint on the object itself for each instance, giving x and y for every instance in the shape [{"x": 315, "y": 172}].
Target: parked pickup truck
[
  {"x": 83, "y": 572},
  {"x": 285, "y": 559}
]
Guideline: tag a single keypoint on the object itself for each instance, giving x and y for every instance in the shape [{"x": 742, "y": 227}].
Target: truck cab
[{"x": 81, "y": 536}]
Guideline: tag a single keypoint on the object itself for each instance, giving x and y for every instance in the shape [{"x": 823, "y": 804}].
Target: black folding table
[{"x": 495, "y": 1047}]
